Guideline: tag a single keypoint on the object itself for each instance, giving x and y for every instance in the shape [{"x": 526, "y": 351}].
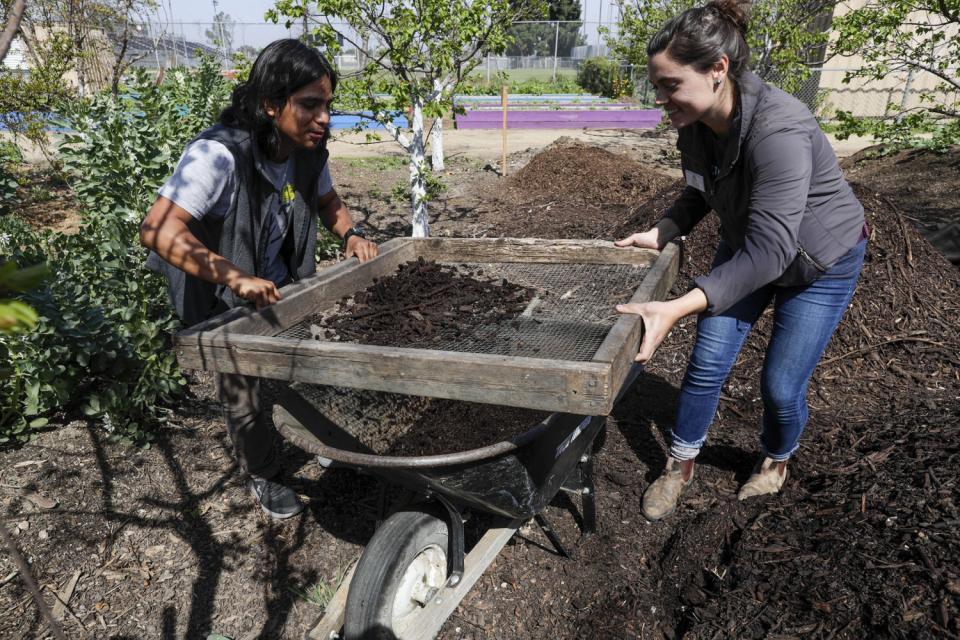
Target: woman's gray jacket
[{"x": 785, "y": 208}]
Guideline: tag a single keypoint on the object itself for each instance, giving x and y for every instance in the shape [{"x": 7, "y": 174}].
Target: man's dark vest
[{"x": 242, "y": 235}]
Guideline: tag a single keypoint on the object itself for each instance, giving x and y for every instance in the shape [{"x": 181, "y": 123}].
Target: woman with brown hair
[{"x": 793, "y": 235}]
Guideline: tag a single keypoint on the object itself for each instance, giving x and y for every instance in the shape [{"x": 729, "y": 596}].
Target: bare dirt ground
[{"x": 166, "y": 543}]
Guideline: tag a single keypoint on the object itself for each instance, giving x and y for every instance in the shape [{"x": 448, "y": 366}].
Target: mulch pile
[
  {"x": 572, "y": 190},
  {"x": 569, "y": 170},
  {"x": 864, "y": 540},
  {"x": 420, "y": 304}
]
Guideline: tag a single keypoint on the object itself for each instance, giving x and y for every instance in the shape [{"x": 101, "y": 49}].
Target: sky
[
  {"x": 251, "y": 11},
  {"x": 191, "y": 19},
  {"x": 202, "y": 10}
]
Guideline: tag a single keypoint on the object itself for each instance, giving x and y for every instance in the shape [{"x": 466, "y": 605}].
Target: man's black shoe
[{"x": 275, "y": 499}]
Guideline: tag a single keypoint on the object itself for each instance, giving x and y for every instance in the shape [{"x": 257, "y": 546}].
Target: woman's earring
[{"x": 717, "y": 82}]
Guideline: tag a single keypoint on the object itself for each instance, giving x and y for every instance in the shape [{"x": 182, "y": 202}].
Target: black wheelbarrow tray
[{"x": 569, "y": 354}]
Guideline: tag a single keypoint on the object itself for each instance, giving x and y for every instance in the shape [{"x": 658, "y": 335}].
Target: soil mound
[
  {"x": 571, "y": 170},
  {"x": 571, "y": 190}
]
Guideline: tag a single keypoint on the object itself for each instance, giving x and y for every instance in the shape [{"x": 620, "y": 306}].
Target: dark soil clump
[
  {"x": 421, "y": 302},
  {"x": 449, "y": 426}
]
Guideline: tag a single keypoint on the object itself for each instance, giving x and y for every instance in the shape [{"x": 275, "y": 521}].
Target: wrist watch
[{"x": 356, "y": 230}]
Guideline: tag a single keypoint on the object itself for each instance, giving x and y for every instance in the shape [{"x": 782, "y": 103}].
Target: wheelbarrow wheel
[{"x": 400, "y": 570}]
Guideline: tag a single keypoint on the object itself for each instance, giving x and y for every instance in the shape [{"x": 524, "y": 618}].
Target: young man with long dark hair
[{"x": 238, "y": 220}]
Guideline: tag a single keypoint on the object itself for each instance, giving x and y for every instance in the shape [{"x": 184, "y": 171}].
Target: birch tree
[{"x": 416, "y": 56}]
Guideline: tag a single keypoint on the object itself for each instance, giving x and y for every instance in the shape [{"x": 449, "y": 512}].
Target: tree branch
[
  {"x": 944, "y": 112},
  {"x": 932, "y": 70},
  {"x": 950, "y": 15},
  {"x": 13, "y": 25}
]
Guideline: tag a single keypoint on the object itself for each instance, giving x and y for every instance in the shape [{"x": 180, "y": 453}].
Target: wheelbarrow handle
[{"x": 292, "y": 418}]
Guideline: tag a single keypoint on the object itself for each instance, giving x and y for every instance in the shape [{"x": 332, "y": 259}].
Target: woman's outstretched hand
[
  {"x": 645, "y": 240},
  {"x": 659, "y": 318}
]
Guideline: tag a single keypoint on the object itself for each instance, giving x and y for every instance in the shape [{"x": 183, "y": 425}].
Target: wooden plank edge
[
  {"x": 372, "y": 354},
  {"x": 331, "y": 622},
  {"x": 619, "y": 347},
  {"x": 532, "y": 250},
  {"x": 427, "y": 625},
  {"x": 234, "y": 320},
  {"x": 565, "y": 386}
]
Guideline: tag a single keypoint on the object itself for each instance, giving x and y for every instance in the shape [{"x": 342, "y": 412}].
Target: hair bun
[{"x": 733, "y": 11}]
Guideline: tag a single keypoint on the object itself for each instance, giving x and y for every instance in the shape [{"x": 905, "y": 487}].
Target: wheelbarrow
[
  {"x": 568, "y": 354},
  {"x": 415, "y": 569}
]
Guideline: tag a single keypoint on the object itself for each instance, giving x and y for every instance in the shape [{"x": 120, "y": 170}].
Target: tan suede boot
[
  {"x": 661, "y": 498},
  {"x": 768, "y": 477}
]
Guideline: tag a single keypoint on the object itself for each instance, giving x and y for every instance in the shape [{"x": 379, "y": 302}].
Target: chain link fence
[{"x": 547, "y": 51}]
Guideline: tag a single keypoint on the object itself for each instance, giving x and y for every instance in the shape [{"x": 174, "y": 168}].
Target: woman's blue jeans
[{"x": 804, "y": 319}]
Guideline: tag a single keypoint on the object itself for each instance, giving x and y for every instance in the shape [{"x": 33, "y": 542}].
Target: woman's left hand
[{"x": 659, "y": 318}]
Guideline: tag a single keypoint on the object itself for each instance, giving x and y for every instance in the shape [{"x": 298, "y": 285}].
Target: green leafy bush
[
  {"x": 913, "y": 130},
  {"x": 102, "y": 340},
  {"x": 10, "y": 159},
  {"x": 603, "y": 77},
  {"x": 101, "y": 343},
  {"x": 120, "y": 150}
]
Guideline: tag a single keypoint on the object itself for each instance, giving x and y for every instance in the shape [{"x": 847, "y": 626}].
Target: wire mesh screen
[
  {"x": 568, "y": 318},
  {"x": 375, "y": 418}
]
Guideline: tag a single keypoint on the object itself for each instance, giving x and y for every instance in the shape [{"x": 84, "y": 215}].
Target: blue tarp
[
  {"x": 336, "y": 122},
  {"x": 347, "y": 122}
]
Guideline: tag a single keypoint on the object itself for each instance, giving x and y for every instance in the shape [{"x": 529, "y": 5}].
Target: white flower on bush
[{"x": 4, "y": 243}]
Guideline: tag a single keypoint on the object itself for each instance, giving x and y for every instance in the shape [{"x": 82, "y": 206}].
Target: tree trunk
[
  {"x": 14, "y": 16},
  {"x": 418, "y": 168},
  {"x": 436, "y": 137},
  {"x": 436, "y": 145}
]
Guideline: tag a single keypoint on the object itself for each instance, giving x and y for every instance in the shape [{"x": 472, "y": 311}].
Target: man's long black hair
[{"x": 282, "y": 68}]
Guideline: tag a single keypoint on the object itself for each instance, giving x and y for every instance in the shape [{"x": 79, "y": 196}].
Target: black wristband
[{"x": 353, "y": 231}]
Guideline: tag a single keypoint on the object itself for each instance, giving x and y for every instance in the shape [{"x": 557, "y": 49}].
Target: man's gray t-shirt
[{"x": 204, "y": 184}]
